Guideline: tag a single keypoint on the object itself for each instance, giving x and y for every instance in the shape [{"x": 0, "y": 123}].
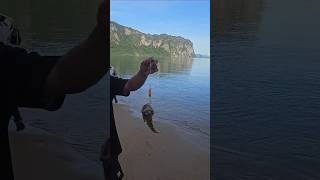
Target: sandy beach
[
  {"x": 38, "y": 155},
  {"x": 166, "y": 155}
]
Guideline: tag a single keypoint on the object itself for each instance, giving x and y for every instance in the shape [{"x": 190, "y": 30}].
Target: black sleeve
[
  {"x": 26, "y": 75},
  {"x": 16, "y": 114},
  {"x": 117, "y": 85}
]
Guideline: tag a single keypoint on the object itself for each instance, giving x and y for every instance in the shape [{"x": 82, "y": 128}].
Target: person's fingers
[
  {"x": 149, "y": 62},
  {"x": 146, "y": 62},
  {"x": 149, "y": 65},
  {"x": 144, "y": 66},
  {"x": 154, "y": 69},
  {"x": 143, "y": 63},
  {"x": 152, "y": 60},
  {"x": 154, "y": 66}
]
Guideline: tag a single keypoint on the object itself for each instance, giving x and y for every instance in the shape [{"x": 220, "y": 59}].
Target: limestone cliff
[{"x": 127, "y": 41}]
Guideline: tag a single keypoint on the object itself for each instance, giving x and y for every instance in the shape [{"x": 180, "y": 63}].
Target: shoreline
[
  {"x": 170, "y": 154},
  {"x": 196, "y": 137},
  {"x": 165, "y": 155}
]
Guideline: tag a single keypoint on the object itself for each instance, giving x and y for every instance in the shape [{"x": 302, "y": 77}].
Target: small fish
[{"x": 147, "y": 113}]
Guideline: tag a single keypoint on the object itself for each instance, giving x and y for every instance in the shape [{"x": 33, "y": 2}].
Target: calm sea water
[
  {"x": 52, "y": 27},
  {"x": 180, "y": 92},
  {"x": 266, "y": 90}
]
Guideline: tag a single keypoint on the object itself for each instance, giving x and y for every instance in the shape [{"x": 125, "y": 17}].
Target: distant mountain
[
  {"x": 125, "y": 41},
  {"x": 201, "y": 56}
]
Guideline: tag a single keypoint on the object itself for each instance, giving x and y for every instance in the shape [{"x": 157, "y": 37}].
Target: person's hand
[
  {"x": 102, "y": 16},
  {"x": 148, "y": 66}
]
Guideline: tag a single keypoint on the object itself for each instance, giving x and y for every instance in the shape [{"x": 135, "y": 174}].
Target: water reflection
[
  {"x": 52, "y": 26},
  {"x": 129, "y": 65},
  {"x": 266, "y": 96},
  {"x": 237, "y": 19}
]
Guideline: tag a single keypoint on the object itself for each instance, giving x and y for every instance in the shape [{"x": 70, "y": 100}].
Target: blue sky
[{"x": 189, "y": 19}]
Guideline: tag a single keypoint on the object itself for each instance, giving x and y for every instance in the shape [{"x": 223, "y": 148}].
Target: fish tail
[{"x": 151, "y": 127}]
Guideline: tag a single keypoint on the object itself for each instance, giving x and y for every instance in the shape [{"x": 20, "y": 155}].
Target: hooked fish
[{"x": 147, "y": 113}]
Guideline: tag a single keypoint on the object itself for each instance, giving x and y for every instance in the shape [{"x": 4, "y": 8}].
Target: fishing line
[
  {"x": 149, "y": 91},
  {"x": 150, "y": 83}
]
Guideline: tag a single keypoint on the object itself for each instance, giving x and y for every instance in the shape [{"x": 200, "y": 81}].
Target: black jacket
[
  {"x": 22, "y": 78},
  {"x": 117, "y": 85}
]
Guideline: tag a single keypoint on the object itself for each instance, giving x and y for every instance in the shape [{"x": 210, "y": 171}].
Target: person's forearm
[
  {"x": 81, "y": 67},
  {"x": 135, "y": 82}
]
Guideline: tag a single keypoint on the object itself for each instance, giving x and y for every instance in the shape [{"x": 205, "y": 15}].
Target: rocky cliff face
[{"x": 127, "y": 41}]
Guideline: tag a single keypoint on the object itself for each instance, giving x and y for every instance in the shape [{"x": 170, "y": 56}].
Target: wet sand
[{"x": 166, "y": 155}]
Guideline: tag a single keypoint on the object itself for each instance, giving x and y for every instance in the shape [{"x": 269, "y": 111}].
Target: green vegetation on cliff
[{"x": 125, "y": 41}]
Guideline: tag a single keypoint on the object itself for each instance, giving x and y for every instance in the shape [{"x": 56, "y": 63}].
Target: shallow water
[
  {"x": 266, "y": 90},
  {"x": 180, "y": 92}
]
